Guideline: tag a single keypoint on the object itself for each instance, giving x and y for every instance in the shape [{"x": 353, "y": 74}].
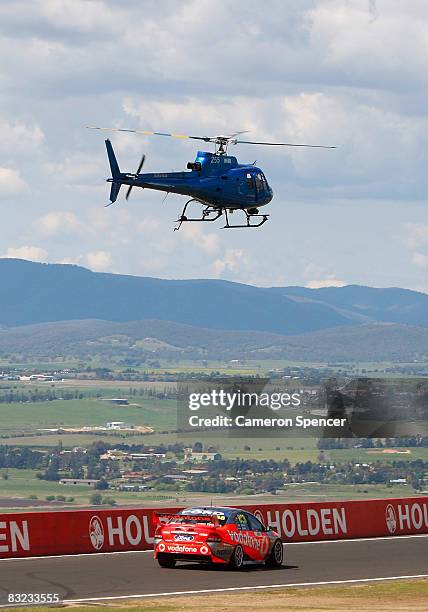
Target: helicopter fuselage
[{"x": 216, "y": 180}]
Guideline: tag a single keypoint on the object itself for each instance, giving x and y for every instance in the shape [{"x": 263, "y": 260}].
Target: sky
[{"x": 350, "y": 73}]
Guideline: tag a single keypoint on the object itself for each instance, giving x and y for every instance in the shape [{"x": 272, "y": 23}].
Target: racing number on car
[{"x": 242, "y": 522}]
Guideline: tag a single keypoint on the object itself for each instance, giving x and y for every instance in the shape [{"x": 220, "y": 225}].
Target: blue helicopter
[{"x": 215, "y": 180}]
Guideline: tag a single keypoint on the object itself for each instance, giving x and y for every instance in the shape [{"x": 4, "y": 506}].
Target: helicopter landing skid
[
  {"x": 208, "y": 214},
  {"x": 249, "y": 216}
]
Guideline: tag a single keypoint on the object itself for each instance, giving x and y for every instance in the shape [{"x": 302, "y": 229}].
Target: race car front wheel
[
  {"x": 166, "y": 560},
  {"x": 237, "y": 558},
  {"x": 276, "y": 555}
]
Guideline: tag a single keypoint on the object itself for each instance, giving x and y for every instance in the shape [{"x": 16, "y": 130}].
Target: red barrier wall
[{"x": 87, "y": 531}]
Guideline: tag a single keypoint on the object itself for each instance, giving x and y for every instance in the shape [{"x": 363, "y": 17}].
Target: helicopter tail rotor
[
  {"x": 117, "y": 177},
  {"x": 140, "y": 165}
]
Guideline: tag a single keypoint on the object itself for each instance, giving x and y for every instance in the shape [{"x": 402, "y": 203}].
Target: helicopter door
[{"x": 251, "y": 193}]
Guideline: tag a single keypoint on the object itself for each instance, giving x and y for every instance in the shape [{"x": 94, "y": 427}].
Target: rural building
[
  {"x": 119, "y": 425},
  {"x": 89, "y": 482},
  {"x": 191, "y": 455}
]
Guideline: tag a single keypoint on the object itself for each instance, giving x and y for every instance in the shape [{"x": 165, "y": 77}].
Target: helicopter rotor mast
[{"x": 221, "y": 142}]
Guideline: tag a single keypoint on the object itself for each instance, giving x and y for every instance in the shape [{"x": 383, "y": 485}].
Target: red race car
[{"x": 226, "y": 536}]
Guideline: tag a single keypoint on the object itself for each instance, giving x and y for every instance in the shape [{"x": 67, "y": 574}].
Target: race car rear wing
[{"x": 165, "y": 517}]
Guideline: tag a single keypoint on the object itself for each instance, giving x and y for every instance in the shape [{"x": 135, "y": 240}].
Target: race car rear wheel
[
  {"x": 276, "y": 555},
  {"x": 165, "y": 560},
  {"x": 237, "y": 558}
]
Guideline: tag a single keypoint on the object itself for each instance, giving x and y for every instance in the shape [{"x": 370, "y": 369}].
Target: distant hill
[
  {"x": 33, "y": 293},
  {"x": 151, "y": 339},
  {"x": 390, "y": 305}
]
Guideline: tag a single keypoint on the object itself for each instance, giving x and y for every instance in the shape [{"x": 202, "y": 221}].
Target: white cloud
[
  {"x": 318, "y": 277},
  {"x": 416, "y": 235},
  {"x": 193, "y": 233},
  {"x": 420, "y": 260},
  {"x": 27, "y": 252},
  {"x": 326, "y": 282},
  {"x": 76, "y": 169},
  {"x": 19, "y": 138},
  {"x": 60, "y": 222},
  {"x": 98, "y": 260},
  {"x": 11, "y": 183},
  {"x": 233, "y": 261}
]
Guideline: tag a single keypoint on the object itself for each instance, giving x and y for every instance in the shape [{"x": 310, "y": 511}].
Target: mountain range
[
  {"x": 63, "y": 309},
  {"x": 39, "y": 293},
  {"x": 138, "y": 341}
]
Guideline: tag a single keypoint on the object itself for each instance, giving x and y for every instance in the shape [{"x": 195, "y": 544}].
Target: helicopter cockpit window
[
  {"x": 250, "y": 181},
  {"x": 259, "y": 182},
  {"x": 265, "y": 183}
]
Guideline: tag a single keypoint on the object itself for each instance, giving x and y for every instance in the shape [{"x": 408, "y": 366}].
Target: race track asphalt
[{"x": 120, "y": 575}]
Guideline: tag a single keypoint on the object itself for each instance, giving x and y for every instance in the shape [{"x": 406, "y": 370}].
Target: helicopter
[{"x": 216, "y": 180}]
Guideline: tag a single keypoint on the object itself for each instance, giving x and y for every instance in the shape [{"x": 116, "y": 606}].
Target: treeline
[
  {"x": 402, "y": 442},
  {"x": 11, "y": 396},
  {"x": 19, "y": 394}
]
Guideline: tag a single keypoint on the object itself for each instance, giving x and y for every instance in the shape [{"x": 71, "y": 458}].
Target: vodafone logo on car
[
  {"x": 181, "y": 548},
  {"x": 264, "y": 546},
  {"x": 96, "y": 532}
]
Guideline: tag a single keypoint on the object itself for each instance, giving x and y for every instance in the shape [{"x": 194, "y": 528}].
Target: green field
[
  {"x": 21, "y": 484},
  {"x": 294, "y": 449},
  {"x": 27, "y": 416}
]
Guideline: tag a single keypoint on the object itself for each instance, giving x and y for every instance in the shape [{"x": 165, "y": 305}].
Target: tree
[
  {"x": 52, "y": 472},
  {"x": 102, "y": 485},
  {"x": 96, "y": 499},
  {"x": 109, "y": 501}
]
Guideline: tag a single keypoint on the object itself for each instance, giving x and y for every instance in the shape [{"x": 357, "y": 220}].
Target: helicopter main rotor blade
[
  {"x": 146, "y": 133},
  {"x": 235, "y": 134},
  {"x": 283, "y": 144},
  {"x": 140, "y": 165},
  {"x": 219, "y": 140}
]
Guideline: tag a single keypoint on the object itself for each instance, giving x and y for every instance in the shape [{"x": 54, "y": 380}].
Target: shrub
[{"x": 96, "y": 499}]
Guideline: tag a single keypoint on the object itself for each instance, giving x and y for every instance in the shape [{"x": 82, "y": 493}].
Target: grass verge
[{"x": 401, "y": 595}]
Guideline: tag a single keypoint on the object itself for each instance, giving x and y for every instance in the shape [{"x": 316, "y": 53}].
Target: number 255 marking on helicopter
[{"x": 216, "y": 180}]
